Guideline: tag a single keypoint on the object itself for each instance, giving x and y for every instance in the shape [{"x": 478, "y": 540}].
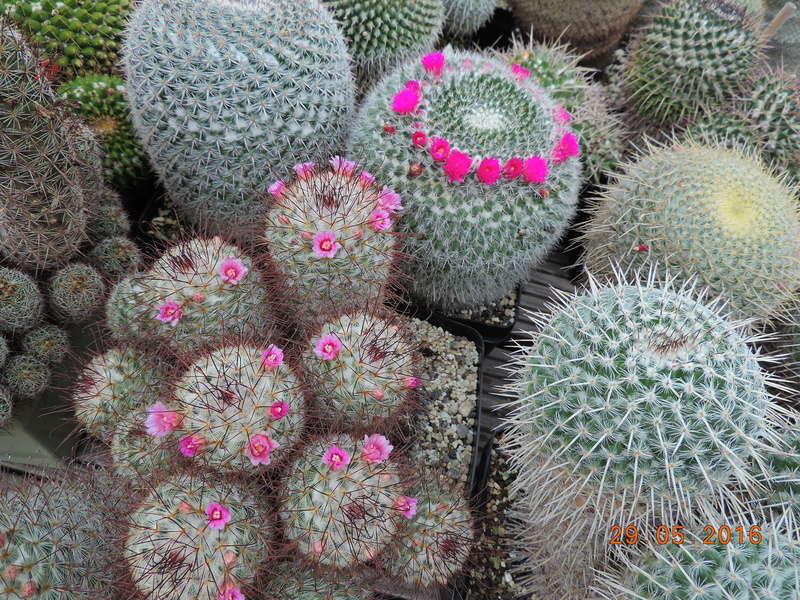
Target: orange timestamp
[{"x": 675, "y": 535}]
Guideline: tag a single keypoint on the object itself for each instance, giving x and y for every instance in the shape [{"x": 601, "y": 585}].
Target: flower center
[
  {"x": 336, "y": 459},
  {"x": 216, "y": 514},
  {"x": 326, "y": 245},
  {"x": 230, "y": 273},
  {"x": 328, "y": 347}
]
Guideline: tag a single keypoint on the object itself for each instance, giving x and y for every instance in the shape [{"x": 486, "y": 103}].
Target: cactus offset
[
  {"x": 26, "y": 375},
  {"x": 76, "y": 293},
  {"x": 20, "y": 301},
  {"x": 116, "y": 257},
  {"x": 47, "y": 342}
]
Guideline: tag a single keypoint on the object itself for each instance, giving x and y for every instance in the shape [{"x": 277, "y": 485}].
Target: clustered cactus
[{"x": 465, "y": 17}]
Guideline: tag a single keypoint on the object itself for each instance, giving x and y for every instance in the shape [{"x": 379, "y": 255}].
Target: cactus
[
  {"x": 134, "y": 452},
  {"x": 472, "y": 231},
  {"x": 6, "y": 406},
  {"x": 343, "y": 206},
  {"x": 382, "y": 33},
  {"x": 593, "y": 28},
  {"x": 601, "y": 132},
  {"x": 100, "y": 101},
  {"x": 4, "y": 350},
  {"x": 20, "y": 301},
  {"x": 196, "y": 291},
  {"x": 116, "y": 257},
  {"x": 47, "y": 342},
  {"x": 706, "y": 212},
  {"x": 464, "y": 18},
  {"x": 671, "y": 75},
  {"x": 76, "y": 36},
  {"x": 636, "y": 405},
  {"x": 194, "y": 538},
  {"x": 343, "y": 500},
  {"x": 270, "y": 85},
  {"x": 302, "y": 584},
  {"x": 732, "y": 129},
  {"x": 364, "y": 367},
  {"x": 26, "y": 375},
  {"x": 108, "y": 218},
  {"x": 76, "y": 293}
]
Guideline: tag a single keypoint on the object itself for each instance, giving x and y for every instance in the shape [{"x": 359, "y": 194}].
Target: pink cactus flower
[
  {"x": 191, "y": 445},
  {"x": 325, "y": 244},
  {"x": 457, "y": 165},
  {"x": 567, "y": 147},
  {"x": 29, "y": 589},
  {"x": 433, "y": 63},
  {"x": 217, "y": 515},
  {"x": 169, "y": 312},
  {"x": 407, "y": 506},
  {"x": 305, "y": 169},
  {"x": 340, "y": 165},
  {"x": 413, "y": 85},
  {"x": 327, "y": 347},
  {"x": 230, "y": 592},
  {"x": 535, "y": 169},
  {"x": 277, "y": 189},
  {"x": 319, "y": 546},
  {"x": 366, "y": 178},
  {"x": 520, "y": 72},
  {"x": 390, "y": 200},
  {"x": 440, "y": 149},
  {"x": 412, "y": 382},
  {"x": 488, "y": 171},
  {"x": 232, "y": 270},
  {"x": 259, "y": 447},
  {"x": 562, "y": 115},
  {"x": 376, "y": 448},
  {"x": 272, "y": 357},
  {"x": 278, "y": 409},
  {"x": 466, "y": 63},
  {"x": 513, "y": 168},
  {"x": 379, "y": 219},
  {"x": 161, "y": 420},
  {"x": 419, "y": 139},
  {"x": 336, "y": 458},
  {"x": 406, "y": 101}
]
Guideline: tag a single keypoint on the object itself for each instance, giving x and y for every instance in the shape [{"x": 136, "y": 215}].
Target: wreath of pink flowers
[{"x": 457, "y": 164}]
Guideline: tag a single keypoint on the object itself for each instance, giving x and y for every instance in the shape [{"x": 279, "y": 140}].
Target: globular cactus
[
  {"x": 343, "y": 500},
  {"x": 108, "y": 219},
  {"x": 26, "y": 375},
  {"x": 6, "y": 406},
  {"x": 730, "y": 128},
  {"x": 270, "y": 84},
  {"x": 100, "y": 101},
  {"x": 192, "y": 294},
  {"x": 302, "y": 584},
  {"x": 704, "y": 212},
  {"x": 692, "y": 54},
  {"x": 382, "y": 33},
  {"x": 488, "y": 174},
  {"x": 194, "y": 538},
  {"x": 116, "y": 257},
  {"x": 635, "y": 405},
  {"x": 600, "y": 131},
  {"x": 463, "y": 18},
  {"x": 135, "y": 454},
  {"x": 364, "y": 367},
  {"x": 593, "y": 28},
  {"x": 47, "y": 342},
  {"x": 76, "y": 36},
  {"x": 20, "y": 301},
  {"x": 330, "y": 234},
  {"x": 4, "y": 350},
  {"x": 76, "y": 293}
]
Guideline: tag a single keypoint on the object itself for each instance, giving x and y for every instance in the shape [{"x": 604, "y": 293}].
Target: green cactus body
[
  {"x": 703, "y": 212},
  {"x": 20, "y": 301},
  {"x": 76, "y": 293},
  {"x": 364, "y": 368},
  {"x": 693, "y": 54},
  {"x": 47, "y": 342},
  {"x": 187, "y": 299},
  {"x": 339, "y": 206},
  {"x": 6, "y": 406},
  {"x": 270, "y": 84},
  {"x": 26, "y": 375},
  {"x": 100, "y": 101},
  {"x": 194, "y": 539},
  {"x": 116, "y": 257},
  {"x": 382, "y": 33},
  {"x": 134, "y": 452},
  {"x": 341, "y": 516},
  {"x": 731, "y": 129},
  {"x": 592, "y": 27},
  {"x": 303, "y": 584},
  {"x": 464, "y": 18},
  {"x": 470, "y": 239},
  {"x": 4, "y": 350},
  {"x": 108, "y": 219}
]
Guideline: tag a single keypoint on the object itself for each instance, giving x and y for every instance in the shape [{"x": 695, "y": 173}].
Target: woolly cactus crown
[
  {"x": 708, "y": 212},
  {"x": 441, "y": 133},
  {"x": 271, "y": 85}
]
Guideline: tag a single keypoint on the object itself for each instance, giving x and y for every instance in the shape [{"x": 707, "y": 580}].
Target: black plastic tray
[{"x": 492, "y": 334}]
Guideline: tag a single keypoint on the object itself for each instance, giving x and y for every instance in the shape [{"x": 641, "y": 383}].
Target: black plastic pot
[{"x": 493, "y": 335}]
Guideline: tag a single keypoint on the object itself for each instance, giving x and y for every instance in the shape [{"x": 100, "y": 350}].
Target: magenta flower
[
  {"x": 278, "y": 409},
  {"x": 413, "y": 85},
  {"x": 230, "y": 592},
  {"x": 217, "y": 515},
  {"x": 489, "y": 171},
  {"x": 169, "y": 312},
  {"x": 340, "y": 165},
  {"x": 327, "y": 347},
  {"x": 277, "y": 188},
  {"x": 376, "y": 448},
  {"x": 535, "y": 169},
  {"x": 336, "y": 458},
  {"x": 305, "y": 169},
  {"x": 407, "y": 506},
  {"x": 272, "y": 357},
  {"x": 457, "y": 165},
  {"x": 325, "y": 244},
  {"x": 562, "y": 115},
  {"x": 379, "y": 219},
  {"x": 419, "y": 139},
  {"x": 161, "y": 420},
  {"x": 191, "y": 445},
  {"x": 406, "y": 101},
  {"x": 366, "y": 178},
  {"x": 520, "y": 72},
  {"x": 433, "y": 63},
  {"x": 390, "y": 200},
  {"x": 567, "y": 146},
  {"x": 232, "y": 270},
  {"x": 259, "y": 447},
  {"x": 440, "y": 149},
  {"x": 513, "y": 168},
  {"x": 412, "y": 382}
]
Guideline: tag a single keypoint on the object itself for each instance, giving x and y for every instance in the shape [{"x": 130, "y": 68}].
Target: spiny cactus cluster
[
  {"x": 465, "y": 17},
  {"x": 486, "y": 165},
  {"x": 270, "y": 85}
]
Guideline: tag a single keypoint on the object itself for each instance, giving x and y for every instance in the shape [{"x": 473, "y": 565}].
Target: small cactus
[
  {"x": 108, "y": 219},
  {"x": 76, "y": 293},
  {"x": 26, "y": 375},
  {"x": 47, "y": 342},
  {"x": 6, "y": 406},
  {"x": 116, "y": 257},
  {"x": 20, "y": 301}
]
